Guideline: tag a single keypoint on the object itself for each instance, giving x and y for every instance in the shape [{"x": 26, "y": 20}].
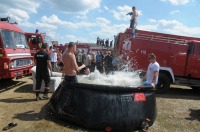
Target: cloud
[
  {"x": 106, "y": 29},
  {"x": 84, "y": 17},
  {"x": 102, "y": 21},
  {"x": 45, "y": 26},
  {"x": 148, "y": 27},
  {"x": 177, "y": 2},
  {"x": 18, "y": 10},
  {"x": 53, "y": 19},
  {"x": 79, "y": 39},
  {"x": 52, "y": 35},
  {"x": 171, "y": 27},
  {"x": 27, "y": 24},
  {"x": 152, "y": 20},
  {"x": 70, "y": 36},
  {"x": 174, "y": 12},
  {"x": 120, "y": 13},
  {"x": 106, "y": 8},
  {"x": 81, "y": 6}
]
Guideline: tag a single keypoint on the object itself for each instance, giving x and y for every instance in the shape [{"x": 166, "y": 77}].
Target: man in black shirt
[
  {"x": 108, "y": 63},
  {"x": 43, "y": 62}
]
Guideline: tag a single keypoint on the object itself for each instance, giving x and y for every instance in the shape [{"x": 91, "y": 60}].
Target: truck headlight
[
  {"x": 11, "y": 65},
  {"x": 31, "y": 62}
]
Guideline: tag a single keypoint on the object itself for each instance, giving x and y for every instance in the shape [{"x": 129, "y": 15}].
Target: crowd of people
[
  {"x": 104, "y": 43},
  {"x": 102, "y": 61}
]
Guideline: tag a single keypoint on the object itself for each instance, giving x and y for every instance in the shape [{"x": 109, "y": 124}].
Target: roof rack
[{"x": 161, "y": 38}]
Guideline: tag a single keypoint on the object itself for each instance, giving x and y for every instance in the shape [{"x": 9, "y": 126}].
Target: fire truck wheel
[
  {"x": 163, "y": 83},
  {"x": 195, "y": 89}
]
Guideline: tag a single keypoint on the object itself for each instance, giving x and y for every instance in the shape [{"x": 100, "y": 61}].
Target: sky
[{"x": 85, "y": 20}]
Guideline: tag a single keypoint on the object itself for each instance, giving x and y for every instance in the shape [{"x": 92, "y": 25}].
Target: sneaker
[
  {"x": 45, "y": 96},
  {"x": 38, "y": 98}
]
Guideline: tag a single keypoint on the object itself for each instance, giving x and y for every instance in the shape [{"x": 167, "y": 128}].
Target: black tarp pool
[{"x": 105, "y": 107}]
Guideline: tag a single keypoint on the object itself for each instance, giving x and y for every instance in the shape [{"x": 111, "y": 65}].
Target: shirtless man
[
  {"x": 134, "y": 15},
  {"x": 70, "y": 64}
]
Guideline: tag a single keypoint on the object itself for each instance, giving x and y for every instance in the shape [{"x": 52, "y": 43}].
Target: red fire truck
[
  {"x": 35, "y": 41},
  {"x": 15, "y": 58},
  {"x": 178, "y": 56}
]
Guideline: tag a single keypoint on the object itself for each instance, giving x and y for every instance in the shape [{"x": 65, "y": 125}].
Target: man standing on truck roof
[
  {"x": 152, "y": 73},
  {"x": 133, "y": 21},
  {"x": 134, "y": 16},
  {"x": 43, "y": 62}
]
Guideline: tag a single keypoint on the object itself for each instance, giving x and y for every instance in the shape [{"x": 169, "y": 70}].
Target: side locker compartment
[
  {"x": 178, "y": 58},
  {"x": 197, "y": 63},
  {"x": 190, "y": 65}
]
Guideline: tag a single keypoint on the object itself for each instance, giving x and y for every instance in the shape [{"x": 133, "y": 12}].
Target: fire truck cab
[
  {"x": 15, "y": 58},
  {"x": 35, "y": 41}
]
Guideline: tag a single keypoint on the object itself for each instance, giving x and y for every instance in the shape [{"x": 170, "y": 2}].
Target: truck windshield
[{"x": 12, "y": 39}]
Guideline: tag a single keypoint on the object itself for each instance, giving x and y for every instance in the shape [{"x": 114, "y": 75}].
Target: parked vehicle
[
  {"x": 15, "y": 58},
  {"x": 35, "y": 41},
  {"x": 178, "y": 56}
]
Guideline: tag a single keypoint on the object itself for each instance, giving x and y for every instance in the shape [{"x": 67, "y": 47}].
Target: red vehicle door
[{"x": 178, "y": 58}]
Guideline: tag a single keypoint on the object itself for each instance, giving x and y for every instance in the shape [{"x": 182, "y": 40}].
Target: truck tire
[
  {"x": 195, "y": 89},
  {"x": 163, "y": 83}
]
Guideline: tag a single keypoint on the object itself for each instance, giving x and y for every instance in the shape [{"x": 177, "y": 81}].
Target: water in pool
[{"x": 118, "y": 78}]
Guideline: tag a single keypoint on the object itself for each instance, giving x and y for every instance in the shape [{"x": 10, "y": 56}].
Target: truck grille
[{"x": 22, "y": 62}]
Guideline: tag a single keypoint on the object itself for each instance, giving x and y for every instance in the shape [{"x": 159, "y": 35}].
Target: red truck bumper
[{"x": 17, "y": 73}]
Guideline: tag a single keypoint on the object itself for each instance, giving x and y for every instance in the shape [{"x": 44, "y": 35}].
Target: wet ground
[{"x": 178, "y": 110}]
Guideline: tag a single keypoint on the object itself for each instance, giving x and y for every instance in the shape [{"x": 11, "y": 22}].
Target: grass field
[{"x": 178, "y": 110}]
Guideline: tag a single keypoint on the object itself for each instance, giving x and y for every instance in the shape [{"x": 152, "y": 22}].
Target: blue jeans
[
  {"x": 132, "y": 24},
  {"x": 70, "y": 79},
  {"x": 145, "y": 84}
]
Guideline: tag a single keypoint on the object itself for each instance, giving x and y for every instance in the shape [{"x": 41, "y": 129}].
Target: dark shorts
[
  {"x": 70, "y": 79},
  {"x": 61, "y": 64},
  {"x": 42, "y": 76},
  {"x": 132, "y": 24}
]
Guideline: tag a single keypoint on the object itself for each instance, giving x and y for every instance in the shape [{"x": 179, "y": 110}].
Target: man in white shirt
[
  {"x": 53, "y": 55},
  {"x": 152, "y": 73},
  {"x": 88, "y": 60}
]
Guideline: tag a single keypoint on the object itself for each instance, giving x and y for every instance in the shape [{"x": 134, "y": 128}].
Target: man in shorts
[{"x": 43, "y": 65}]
